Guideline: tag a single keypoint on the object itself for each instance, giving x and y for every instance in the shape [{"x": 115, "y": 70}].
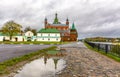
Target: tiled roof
[{"x": 48, "y": 31}]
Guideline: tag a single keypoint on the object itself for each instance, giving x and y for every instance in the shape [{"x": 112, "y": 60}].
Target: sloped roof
[
  {"x": 1, "y": 34},
  {"x": 48, "y": 31},
  {"x": 58, "y": 25},
  {"x": 73, "y": 27}
]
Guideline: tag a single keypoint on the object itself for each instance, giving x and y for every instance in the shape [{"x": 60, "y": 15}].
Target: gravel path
[{"x": 82, "y": 62}]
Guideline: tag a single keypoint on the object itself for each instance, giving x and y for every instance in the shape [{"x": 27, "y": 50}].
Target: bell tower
[
  {"x": 73, "y": 33},
  {"x": 67, "y": 21},
  {"x": 45, "y": 22},
  {"x": 56, "y": 21}
]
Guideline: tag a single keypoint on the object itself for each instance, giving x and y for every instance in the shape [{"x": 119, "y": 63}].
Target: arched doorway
[
  {"x": 29, "y": 38},
  {"x": 23, "y": 39},
  {"x": 3, "y": 38},
  {"x": 16, "y": 39}
]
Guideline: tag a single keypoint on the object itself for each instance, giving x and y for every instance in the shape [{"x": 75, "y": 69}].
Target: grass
[
  {"x": 116, "y": 58},
  {"x": 32, "y": 42},
  {"x": 52, "y": 52},
  {"x": 4, "y": 66}
]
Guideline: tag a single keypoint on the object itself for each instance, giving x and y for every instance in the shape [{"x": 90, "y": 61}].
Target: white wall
[
  {"x": 19, "y": 38},
  {"x": 1, "y": 38},
  {"x": 7, "y": 37},
  {"x": 48, "y": 37},
  {"x": 48, "y": 34}
]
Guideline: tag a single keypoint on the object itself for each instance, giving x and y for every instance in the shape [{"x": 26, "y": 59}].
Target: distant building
[
  {"x": 67, "y": 33},
  {"x": 49, "y": 35},
  {"x": 28, "y": 36}
]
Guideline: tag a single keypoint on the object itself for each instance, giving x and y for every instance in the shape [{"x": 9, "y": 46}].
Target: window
[
  {"x": 42, "y": 38},
  {"x": 62, "y": 34},
  {"x": 48, "y": 38},
  {"x": 56, "y": 38},
  {"x": 48, "y": 34},
  {"x": 28, "y": 34}
]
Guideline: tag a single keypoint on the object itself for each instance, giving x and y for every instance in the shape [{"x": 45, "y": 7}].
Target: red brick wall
[{"x": 58, "y": 27}]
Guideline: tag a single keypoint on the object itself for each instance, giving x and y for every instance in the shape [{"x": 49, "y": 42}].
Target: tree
[
  {"x": 11, "y": 28},
  {"x": 27, "y": 29},
  {"x": 30, "y": 29},
  {"x": 34, "y": 31}
]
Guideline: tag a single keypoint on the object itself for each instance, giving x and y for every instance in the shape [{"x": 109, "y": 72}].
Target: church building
[{"x": 67, "y": 33}]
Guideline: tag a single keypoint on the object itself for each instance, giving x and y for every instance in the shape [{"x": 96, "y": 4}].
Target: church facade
[{"x": 67, "y": 33}]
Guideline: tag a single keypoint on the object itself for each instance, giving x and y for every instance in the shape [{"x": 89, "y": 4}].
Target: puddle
[{"x": 43, "y": 67}]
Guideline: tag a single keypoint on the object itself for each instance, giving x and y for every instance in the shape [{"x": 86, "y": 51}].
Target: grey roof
[
  {"x": 58, "y": 24},
  {"x": 64, "y": 31}
]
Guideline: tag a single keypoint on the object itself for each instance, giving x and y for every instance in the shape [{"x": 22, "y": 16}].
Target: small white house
[
  {"x": 29, "y": 36},
  {"x": 49, "y": 35}
]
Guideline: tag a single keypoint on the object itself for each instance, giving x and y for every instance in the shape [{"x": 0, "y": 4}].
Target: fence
[{"x": 106, "y": 47}]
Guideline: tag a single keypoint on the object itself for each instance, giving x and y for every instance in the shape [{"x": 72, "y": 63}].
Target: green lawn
[{"x": 53, "y": 52}]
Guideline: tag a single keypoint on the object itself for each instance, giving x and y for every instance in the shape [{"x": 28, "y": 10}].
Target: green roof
[
  {"x": 73, "y": 27},
  {"x": 1, "y": 34},
  {"x": 52, "y": 52},
  {"x": 56, "y": 21},
  {"x": 48, "y": 31}
]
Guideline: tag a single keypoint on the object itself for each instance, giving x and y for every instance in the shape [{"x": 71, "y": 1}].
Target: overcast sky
[{"x": 91, "y": 17}]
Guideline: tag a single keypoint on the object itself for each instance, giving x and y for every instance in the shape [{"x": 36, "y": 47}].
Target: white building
[
  {"x": 28, "y": 36},
  {"x": 52, "y": 35}
]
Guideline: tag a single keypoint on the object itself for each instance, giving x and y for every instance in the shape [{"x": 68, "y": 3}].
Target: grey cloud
[{"x": 91, "y": 17}]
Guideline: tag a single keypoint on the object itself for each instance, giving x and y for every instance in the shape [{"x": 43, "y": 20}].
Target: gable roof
[
  {"x": 48, "y": 31},
  {"x": 28, "y": 32}
]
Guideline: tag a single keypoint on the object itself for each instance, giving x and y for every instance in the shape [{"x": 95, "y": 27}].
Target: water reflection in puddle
[{"x": 42, "y": 67}]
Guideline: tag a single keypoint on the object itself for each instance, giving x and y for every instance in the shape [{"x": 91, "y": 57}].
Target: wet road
[{"x": 10, "y": 51}]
